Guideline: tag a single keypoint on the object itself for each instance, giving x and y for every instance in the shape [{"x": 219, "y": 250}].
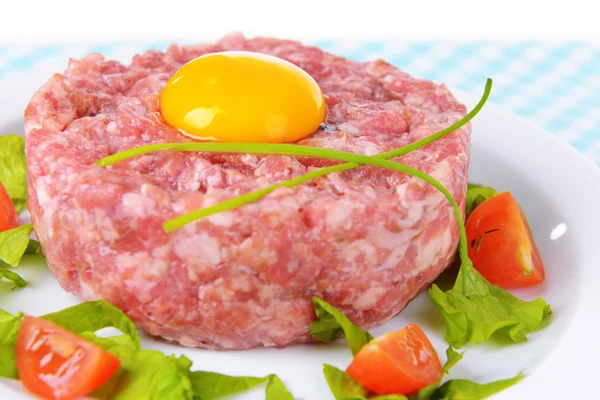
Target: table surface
[{"x": 555, "y": 85}]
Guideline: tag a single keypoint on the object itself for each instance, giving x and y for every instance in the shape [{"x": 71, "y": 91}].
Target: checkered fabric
[{"x": 556, "y": 85}]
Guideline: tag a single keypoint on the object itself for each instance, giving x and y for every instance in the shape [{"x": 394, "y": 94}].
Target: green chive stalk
[{"x": 352, "y": 161}]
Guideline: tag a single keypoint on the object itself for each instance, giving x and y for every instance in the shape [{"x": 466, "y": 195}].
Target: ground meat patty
[{"x": 366, "y": 240}]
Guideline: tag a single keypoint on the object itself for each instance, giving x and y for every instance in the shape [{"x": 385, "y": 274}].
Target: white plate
[{"x": 557, "y": 188}]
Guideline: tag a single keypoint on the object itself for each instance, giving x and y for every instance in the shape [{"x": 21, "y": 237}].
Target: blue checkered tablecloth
[{"x": 556, "y": 85}]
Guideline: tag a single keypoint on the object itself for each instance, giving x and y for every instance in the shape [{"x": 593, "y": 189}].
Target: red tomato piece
[
  {"x": 8, "y": 214},
  {"x": 400, "y": 362},
  {"x": 501, "y": 245},
  {"x": 54, "y": 363}
]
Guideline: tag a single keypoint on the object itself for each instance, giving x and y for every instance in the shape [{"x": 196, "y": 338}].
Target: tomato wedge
[
  {"x": 54, "y": 363},
  {"x": 400, "y": 362},
  {"x": 501, "y": 245},
  {"x": 8, "y": 214}
]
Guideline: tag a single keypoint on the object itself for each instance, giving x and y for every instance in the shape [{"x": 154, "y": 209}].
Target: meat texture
[{"x": 366, "y": 240}]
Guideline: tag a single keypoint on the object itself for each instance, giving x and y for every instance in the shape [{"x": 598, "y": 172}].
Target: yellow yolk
[{"x": 242, "y": 96}]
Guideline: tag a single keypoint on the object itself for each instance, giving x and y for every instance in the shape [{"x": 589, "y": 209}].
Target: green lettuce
[
  {"x": 121, "y": 346},
  {"x": 34, "y": 248},
  {"x": 13, "y": 243},
  {"x": 344, "y": 387},
  {"x": 452, "y": 358},
  {"x": 151, "y": 375},
  {"x": 212, "y": 385},
  {"x": 462, "y": 389},
  {"x": 13, "y": 169},
  {"x": 92, "y": 316},
  {"x": 475, "y": 309},
  {"x": 332, "y": 324},
  {"x": 14, "y": 277},
  {"x": 430, "y": 391},
  {"x": 477, "y": 194},
  {"x": 9, "y": 328},
  {"x": 143, "y": 374},
  {"x": 276, "y": 390}
]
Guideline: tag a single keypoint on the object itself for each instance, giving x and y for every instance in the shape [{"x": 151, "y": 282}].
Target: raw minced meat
[{"x": 366, "y": 240}]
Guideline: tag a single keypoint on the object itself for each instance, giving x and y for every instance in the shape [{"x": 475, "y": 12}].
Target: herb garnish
[
  {"x": 478, "y": 241},
  {"x": 353, "y": 161}
]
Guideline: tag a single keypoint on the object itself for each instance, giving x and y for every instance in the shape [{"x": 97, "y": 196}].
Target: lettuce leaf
[
  {"x": 34, "y": 248},
  {"x": 332, "y": 324},
  {"x": 92, "y": 316},
  {"x": 276, "y": 390},
  {"x": 13, "y": 169},
  {"x": 452, "y": 358},
  {"x": 429, "y": 391},
  {"x": 13, "y": 244},
  {"x": 122, "y": 347},
  {"x": 14, "y": 277},
  {"x": 144, "y": 374},
  {"x": 462, "y": 389},
  {"x": 343, "y": 387},
  {"x": 477, "y": 194},
  {"x": 149, "y": 375},
  {"x": 475, "y": 309},
  {"x": 9, "y": 328},
  {"x": 212, "y": 385},
  {"x": 8, "y": 362}
]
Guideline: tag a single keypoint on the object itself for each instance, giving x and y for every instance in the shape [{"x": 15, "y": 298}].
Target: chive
[
  {"x": 351, "y": 158},
  {"x": 353, "y": 161},
  {"x": 459, "y": 124},
  {"x": 255, "y": 147},
  {"x": 244, "y": 199}
]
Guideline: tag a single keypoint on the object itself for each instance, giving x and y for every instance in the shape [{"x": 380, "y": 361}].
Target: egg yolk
[{"x": 243, "y": 96}]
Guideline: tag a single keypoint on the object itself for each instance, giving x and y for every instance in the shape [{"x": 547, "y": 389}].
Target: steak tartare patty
[{"x": 366, "y": 240}]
